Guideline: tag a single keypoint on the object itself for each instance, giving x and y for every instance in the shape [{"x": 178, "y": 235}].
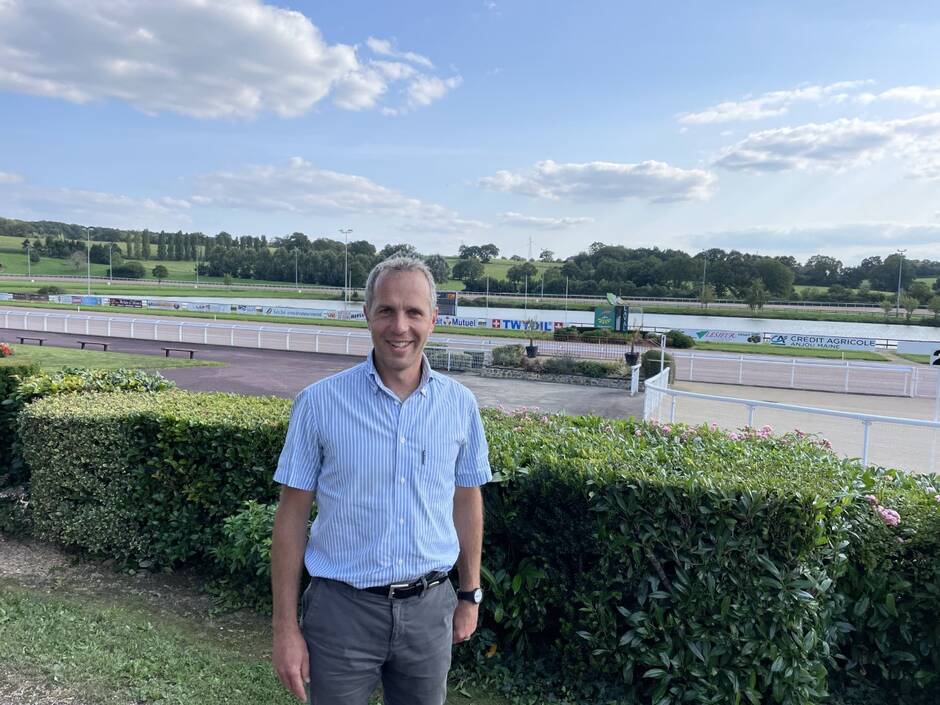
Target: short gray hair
[{"x": 399, "y": 264}]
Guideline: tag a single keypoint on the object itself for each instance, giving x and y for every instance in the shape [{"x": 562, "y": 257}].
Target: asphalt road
[{"x": 284, "y": 374}]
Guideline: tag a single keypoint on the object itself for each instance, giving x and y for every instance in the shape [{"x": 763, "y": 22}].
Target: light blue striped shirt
[{"x": 384, "y": 472}]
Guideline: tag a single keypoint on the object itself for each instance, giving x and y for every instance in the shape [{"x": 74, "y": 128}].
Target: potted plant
[
  {"x": 531, "y": 350},
  {"x": 633, "y": 356}
]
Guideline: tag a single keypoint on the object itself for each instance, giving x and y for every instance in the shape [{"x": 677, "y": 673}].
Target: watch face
[{"x": 478, "y": 595}]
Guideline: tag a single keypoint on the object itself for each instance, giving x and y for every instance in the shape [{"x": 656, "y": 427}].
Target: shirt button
[
  {"x": 402, "y": 480},
  {"x": 401, "y": 521},
  {"x": 402, "y": 439},
  {"x": 400, "y": 561}
]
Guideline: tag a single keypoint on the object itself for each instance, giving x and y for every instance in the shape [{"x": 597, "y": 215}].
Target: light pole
[
  {"x": 296, "y": 279},
  {"x": 704, "y": 270},
  {"x": 197, "y": 263},
  {"x": 346, "y": 232},
  {"x": 88, "y": 256},
  {"x": 29, "y": 264},
  {"x": 110, "y": 268},
  {"x": 897, "y": 313}
]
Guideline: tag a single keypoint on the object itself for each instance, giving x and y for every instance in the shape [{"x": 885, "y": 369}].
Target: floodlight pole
[
  {"x": 29, "y": 270},
  {"x": 704, "y": 270},
  {"x": 897, "y": 313},
  {"x": 88, "y": 256},
  {"x": 110, "y": 268},
  {"x": 345, "y": 232}
]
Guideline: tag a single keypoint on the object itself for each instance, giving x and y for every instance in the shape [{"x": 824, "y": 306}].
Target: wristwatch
[{"x": 474, "y": 596}]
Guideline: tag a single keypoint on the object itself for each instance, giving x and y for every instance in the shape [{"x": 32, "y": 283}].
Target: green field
[
  {"x": 768, "y": 349},
  {"x": 53, "y": 358},
  {"x": 922, "y": 359}
]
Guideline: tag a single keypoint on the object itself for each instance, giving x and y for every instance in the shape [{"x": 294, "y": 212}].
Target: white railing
[
  {"x": 634, "y": 380},
  {"x": 658, "y": 392},
  {"x": 229, "y": 334},
  {"x": 846, "y": 376}
]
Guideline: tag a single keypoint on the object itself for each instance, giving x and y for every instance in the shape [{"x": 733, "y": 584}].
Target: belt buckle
[{"x": 393, "y": 587}]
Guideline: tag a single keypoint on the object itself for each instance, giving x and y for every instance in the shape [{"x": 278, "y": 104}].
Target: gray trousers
[{"x": 357, "y": 639}]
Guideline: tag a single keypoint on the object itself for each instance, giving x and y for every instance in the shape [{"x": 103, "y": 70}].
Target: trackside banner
[
  {"x": 722, "y": 336},
  {"x": 822, "y": 342},
  {"x": 919, "y": 347}
]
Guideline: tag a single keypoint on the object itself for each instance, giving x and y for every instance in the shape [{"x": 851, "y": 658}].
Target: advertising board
[
  {"x": 17, "y": 296},
  {"x": 722, "y": 336},
  {"x": 447, "y": 303},
  {"x": 921, "y": 347},
  {"x": 516, "y": 324},
  {"x": 604, "y": 317},
  {"x": 125, "y": 303},
  {"x": 164, "y": 305},
  {"x": 821, "y": 342},
  {"x": 294, "y": 312},
  {"x": 209, "y": 308},
  {"x": 461, "y": 322},
  {"x": 5, "y": 297}
]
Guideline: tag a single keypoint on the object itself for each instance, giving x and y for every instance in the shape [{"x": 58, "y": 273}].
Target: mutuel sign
[{"x": 822, "y": 342}]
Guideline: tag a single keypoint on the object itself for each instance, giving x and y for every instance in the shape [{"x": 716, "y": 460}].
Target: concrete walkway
[{"x": 893, "y": 445}]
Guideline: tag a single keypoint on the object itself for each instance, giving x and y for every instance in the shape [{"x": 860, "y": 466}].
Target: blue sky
[{"x": 782, "y": 128}]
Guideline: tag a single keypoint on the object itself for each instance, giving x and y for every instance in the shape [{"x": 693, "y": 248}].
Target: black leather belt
[{"x": 397, "y": 591}]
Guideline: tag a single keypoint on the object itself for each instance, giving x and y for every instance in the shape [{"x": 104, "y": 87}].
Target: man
[{"x": 394, "y": 454}]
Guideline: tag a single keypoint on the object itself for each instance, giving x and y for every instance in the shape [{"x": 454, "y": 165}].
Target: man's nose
[{"x": 400, "y": 322}]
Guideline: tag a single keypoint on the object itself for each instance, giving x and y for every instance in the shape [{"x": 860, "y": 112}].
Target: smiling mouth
[{"x": 399, "y": 345}]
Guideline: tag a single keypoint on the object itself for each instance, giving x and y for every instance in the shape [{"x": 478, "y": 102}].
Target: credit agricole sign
[{"x": 825, "y": 342}]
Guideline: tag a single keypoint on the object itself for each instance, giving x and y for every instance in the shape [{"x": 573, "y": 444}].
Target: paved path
[
  {"x": 893, "y": 445},
  {"x": 260, "y": 372}
]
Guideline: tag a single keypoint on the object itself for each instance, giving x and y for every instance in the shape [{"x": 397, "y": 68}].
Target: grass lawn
[
  {"x": 922, "y": 359},
  {"x": 768, "y": 349},
  {"x": 52, "y": 358},
  {"x": 114, "y": 652}
]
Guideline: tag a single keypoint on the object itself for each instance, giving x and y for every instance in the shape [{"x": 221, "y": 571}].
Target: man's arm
[
  {"x": 468, "y": 520},
  {"x": 289, "y": 539}
]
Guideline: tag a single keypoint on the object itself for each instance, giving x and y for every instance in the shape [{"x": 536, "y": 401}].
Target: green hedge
[
  {"x": 623, "y": 562},
  {"x": 12, "y": 370},
  {"x": 507, "y": 355},
  {"x": 651, "y": 364},
  {"x": 148, "y": 478}
]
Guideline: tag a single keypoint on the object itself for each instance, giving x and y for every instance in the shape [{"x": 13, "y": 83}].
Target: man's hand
[
  {"x": 465, "y": 620},
  {"x": 291, "y": 660}
]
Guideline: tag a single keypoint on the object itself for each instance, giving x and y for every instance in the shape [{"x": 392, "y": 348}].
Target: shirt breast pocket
[{"x": 440, "y": 459}]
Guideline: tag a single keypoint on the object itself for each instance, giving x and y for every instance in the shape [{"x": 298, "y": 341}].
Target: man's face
[{"x": 400, "y": 320}]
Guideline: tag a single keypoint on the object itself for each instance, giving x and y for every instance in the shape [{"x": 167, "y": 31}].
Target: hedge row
[
  {"x": 624, "y": 562},
  {"x": 148, "y": 478}
]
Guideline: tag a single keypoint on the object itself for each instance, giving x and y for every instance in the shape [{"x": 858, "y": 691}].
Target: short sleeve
[
  {"x": 300, "y": 460},
  {"x": 473, "y": 461}
]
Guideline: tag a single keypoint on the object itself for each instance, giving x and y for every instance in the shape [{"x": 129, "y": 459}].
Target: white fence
[
  {"x": 906, "y": 443},
  {"x": 446, "y": 351},
  {"x": 849, "y": 376}
]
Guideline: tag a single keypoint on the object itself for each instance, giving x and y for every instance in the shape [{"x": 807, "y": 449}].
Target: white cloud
[
  {"x": 653, "y": 181},
  {"x": 519, "y": 220},
  {"x": 385, "y": 47},
  {"x": 841, "y": 239},
  {"x": 771, "y": 104},
  {"x": 202, "y": 58},
  {"x": 839, "y": 144},
  {"x": 919, "y": 95},
  {"x": 424, "y": 90},
  {"x": 93, "y": 207},
  {"x": 7, "y": 177},
  {"x": 299, "y": 187}
]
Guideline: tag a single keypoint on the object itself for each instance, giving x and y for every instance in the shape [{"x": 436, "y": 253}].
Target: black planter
[
  {"x": 631, "y": 358},
  {"x": 531, "y": 350}
]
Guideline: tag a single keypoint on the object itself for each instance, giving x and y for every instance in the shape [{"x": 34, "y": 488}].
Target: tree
[
  {"x": 546, "y": 255},
  {"x": 936, "y": 284},
  {"x": 145, "y": 244},
  {"x": 920, "y": 290},
  {"x": 776, "y": 277},
  {"x": 440, "y": 270},
  {"x": 757, "y": 295},
  {"x": 403, "y": 250},
  {"x": 161, "y": 246},
  {"x": 466, "y": 270},
  {"x": 886, "y": 306},
  {"x": 707, "y": 295},
  {"x": 487, "y": 252},
  {"x": 78, "y": 260},
  {"x": 160, "y": 273},
  {"x": 518, "y": 272},
  {"x": 934, "y": 305},
  {"x": 26, "y": 243},
  {"x": 909, "y": 304}
]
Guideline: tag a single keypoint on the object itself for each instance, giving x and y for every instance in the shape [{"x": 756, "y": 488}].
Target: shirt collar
[{"x": 427, "y": 374}]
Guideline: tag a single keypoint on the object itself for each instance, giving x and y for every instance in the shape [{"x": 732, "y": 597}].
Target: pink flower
[
  {"x": 766, "y": 429},
  {"x": 638, "y": 432},
  {"x": 889, "y": 516},
  {"x": 734, "y": 436},
  {"x": 714, "y": 426},
  {"x": 666, "y": 428},
  {"x": 871, "y": 499},
  {"x": 825, "y": 443},
  {"x": 937, "y": 497}
]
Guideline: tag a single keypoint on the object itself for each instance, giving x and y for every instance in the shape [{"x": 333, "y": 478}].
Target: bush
[
  {"x": 148, "y": 478},
  {"x": 678, "y": 339},
  {"x": 507, "y": 355},
  {"x": 567, "y": 333},
  {"x": 632, "y": 563},
  {"x": 651, "y": 362},
  {"x": 559, "y": 365},
  {"x": 129, "y": 270},
  {"x": 585, "y": 368},
  {"x": 50, "y": 290},
  {"x": 12, "y": 371},
  {"x": 40, "y": 383}
]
